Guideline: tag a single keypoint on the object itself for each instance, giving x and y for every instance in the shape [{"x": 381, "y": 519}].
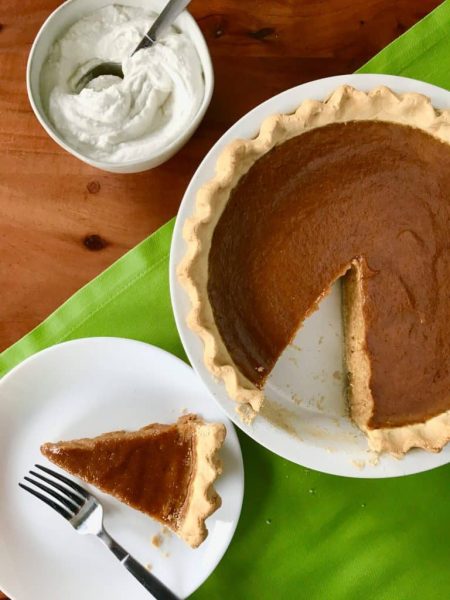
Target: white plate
[
  {"x": 84, "y": 388},
  {"x": 307, "y": 422}
]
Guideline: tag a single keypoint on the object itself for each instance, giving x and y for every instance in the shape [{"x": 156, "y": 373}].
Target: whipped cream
[{"x": 113, "y": 119}]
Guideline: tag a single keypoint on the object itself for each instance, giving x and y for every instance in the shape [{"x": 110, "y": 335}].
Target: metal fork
[{"x": 85, "y": 513}]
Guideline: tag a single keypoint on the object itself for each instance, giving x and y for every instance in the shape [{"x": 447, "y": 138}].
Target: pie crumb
[
  {"x": 320, "y": 403},
  {"x": 280, "y": 416},
  {"x": 296, "y": 398},
  {"x": 148, "y": 566},
  {"x": 359, "y": 464},
  {"x": 157, "y": 540},
  {"x": 337, "y": 375},
  {"x": 374, "y": 458},
  {"x": 166, "y": 531}
]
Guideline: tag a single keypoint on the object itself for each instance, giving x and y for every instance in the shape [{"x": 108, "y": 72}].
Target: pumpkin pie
[
  {"x": 165, "y": 471},
  {"x": 356, "y": 187}
]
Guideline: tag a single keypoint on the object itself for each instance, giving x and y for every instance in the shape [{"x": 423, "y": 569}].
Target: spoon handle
[{"x": 168, "y": 15}]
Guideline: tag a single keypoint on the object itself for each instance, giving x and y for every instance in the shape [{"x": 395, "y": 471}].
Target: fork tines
[{"x": 68, "y": 501}]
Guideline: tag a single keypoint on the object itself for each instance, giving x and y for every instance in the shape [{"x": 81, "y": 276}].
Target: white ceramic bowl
[{"x": 55, "y": 26}]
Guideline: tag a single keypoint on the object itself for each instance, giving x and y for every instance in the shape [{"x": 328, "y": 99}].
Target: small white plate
[
  {"x": 85, "y": 388},
  {"x": 305, "y": 419}
]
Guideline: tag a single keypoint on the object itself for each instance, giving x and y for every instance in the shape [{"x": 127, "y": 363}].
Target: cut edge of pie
[
  {"x": 431, "y": 435},
  {"x": 343, "y": 105},
  {"x": 201, "y": 499}
]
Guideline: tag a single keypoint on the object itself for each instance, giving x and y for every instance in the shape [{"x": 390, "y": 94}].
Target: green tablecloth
[{"x": 302, "y": 534}]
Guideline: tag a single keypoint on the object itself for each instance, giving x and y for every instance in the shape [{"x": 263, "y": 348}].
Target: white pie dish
[
  {"x": 57, "y": 23},
  {"x": 315, "y": 431}
]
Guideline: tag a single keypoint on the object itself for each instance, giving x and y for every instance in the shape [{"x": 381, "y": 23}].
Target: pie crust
[
  {"x": 345, "y": 104},
  {"x": 203, "y": 500}
]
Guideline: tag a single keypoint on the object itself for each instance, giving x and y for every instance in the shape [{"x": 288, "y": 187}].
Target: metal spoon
[{"x": 170, "y": 12}]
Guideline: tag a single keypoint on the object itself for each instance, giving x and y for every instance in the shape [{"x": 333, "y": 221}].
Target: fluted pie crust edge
[{"x": 203, "y": 500}]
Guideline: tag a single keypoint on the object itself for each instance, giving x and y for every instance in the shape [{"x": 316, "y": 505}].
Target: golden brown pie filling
[
  {"x": 372, "y": 191},
  {"x": 149, "y": 472}
]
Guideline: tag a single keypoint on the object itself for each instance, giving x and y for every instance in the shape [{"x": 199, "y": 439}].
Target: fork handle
[{"x": 145, "y": 578}]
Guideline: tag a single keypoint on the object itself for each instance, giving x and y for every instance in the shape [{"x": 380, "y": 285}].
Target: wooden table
[{"x": 63, "y": 222}]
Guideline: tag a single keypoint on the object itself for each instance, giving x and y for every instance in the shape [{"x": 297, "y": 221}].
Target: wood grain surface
[{"x": 63, "y": 222}]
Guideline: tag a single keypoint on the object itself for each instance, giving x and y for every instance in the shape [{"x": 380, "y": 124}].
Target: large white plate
[
  {"x": 305, "y": 419},
  {"x": 84, "y": 388}
]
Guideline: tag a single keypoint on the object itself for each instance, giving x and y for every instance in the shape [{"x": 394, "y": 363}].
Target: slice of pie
[
  {"x": 356, "y": 187},
  {"x": 165, "y": 471}
]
